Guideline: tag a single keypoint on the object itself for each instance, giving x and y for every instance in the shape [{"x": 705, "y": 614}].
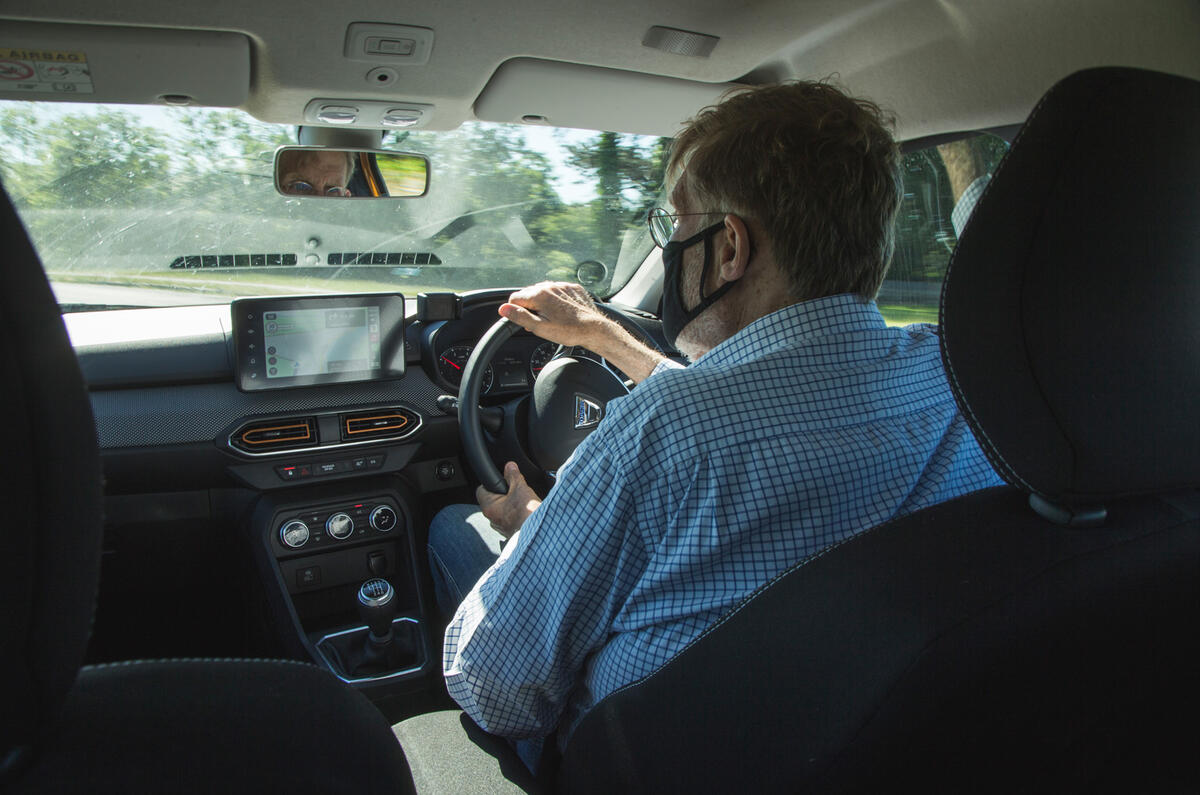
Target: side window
[{"x": 941, "y": 185}]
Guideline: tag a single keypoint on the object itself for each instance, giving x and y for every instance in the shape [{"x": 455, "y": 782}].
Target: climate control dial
[
  {"x": 294, "y": 534},
  {"x": 340, "y": 525},
  {"x": 383, "y": 518}
]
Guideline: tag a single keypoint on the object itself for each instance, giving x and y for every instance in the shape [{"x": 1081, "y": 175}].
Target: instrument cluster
[{"x": 513, "y": 369}]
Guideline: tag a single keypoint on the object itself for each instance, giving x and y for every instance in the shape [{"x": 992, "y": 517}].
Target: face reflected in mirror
[
  {"x": 314, "y": 172},
  {"x": 350, "y": 173}
]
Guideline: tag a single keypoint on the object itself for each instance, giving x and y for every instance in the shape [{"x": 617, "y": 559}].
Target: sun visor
[
  {"x": 86, "y": 63},
  {"x": 530, "y": 91}
]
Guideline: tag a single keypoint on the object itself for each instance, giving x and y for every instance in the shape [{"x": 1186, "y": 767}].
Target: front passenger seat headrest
[{"x": 1071, "y": 309}]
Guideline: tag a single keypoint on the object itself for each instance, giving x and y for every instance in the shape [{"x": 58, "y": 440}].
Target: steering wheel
[{"x": 539, "y": 431}]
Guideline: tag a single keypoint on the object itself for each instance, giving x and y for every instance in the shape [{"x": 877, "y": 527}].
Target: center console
[
  {"x": 343, "y": 559},
  {"x": 332, "y": 527}
]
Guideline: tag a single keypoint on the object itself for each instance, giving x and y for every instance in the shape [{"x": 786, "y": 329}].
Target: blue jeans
[{"x": 462, "y": 546}]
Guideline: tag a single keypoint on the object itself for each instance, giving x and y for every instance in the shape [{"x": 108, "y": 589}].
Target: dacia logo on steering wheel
[{"x": 587, "y": 413}]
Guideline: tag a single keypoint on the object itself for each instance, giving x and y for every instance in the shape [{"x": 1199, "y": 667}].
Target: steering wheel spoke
[{"x": 539, "y": 432}]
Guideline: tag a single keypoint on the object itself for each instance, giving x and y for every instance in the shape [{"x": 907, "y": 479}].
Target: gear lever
[
  {"x": 377, "y": 607},
  {"x": 378, "y": 651}
]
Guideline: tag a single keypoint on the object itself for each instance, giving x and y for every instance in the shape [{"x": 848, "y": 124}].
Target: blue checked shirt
[{"x": 810, "y": 425}]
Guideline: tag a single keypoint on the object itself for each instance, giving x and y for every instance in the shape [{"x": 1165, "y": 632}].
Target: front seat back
[
  {"x": 1037, "y": 637},
  {"x": 138, "y": 726},
  {"x": 50, "y": 487}
]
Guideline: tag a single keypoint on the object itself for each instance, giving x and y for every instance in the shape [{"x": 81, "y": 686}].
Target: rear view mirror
[{"x": 349, "y": 173}]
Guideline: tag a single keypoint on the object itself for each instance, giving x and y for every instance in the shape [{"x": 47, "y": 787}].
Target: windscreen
[{"x": 150, "y": 206}]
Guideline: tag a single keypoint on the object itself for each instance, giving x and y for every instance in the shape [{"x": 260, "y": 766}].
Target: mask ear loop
[
  {"x": 707, "y": 262},
  {"x": 707, "y": 236},
  {"x": 704, "y": 269}
]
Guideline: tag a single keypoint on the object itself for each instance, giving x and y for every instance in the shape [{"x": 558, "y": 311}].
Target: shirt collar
[{"x": 834, "y": 314}]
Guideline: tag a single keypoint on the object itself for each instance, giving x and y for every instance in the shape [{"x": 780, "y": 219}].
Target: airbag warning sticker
[{"x": 44, "y": 71}]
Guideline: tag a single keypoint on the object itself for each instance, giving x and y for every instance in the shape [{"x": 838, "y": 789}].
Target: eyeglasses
[
  {"x": 663, "y": 224},
  {"x": 302, "y": 188}
]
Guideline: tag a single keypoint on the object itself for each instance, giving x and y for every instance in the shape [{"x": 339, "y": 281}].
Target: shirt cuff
[
  {"x": 666, "y": 364},
  {"x": 966, "y": 204}
]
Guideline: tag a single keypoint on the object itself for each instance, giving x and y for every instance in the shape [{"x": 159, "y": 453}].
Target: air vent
[
  {"x": 279, "y": 260},
  {"x": 383, "y": 258},
  {"x": 268, "y": 436},
  {"x": 378, "y": 424},
  {"x": 289, "y": 259}
]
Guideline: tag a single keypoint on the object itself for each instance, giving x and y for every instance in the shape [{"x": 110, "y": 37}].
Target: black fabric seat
[
  {"x": 164, "y": 726},
  {"x": 199, "y": 726},
  {"x": 949, "y": 651}
]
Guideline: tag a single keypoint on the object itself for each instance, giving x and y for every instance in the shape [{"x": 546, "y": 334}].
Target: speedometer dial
[
  {"x": 453, "y": 361},
  {"x": 541, "y": 356}
]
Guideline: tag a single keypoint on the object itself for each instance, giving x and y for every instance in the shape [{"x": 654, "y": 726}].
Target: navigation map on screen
[{"x": 318, "y": 341}]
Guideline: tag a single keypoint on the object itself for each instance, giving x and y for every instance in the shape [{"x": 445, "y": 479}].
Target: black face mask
[{"x": 674, "y": 317}]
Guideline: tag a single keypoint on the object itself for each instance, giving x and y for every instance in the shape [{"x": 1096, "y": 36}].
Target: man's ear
[{"x": 733, "y": 250}]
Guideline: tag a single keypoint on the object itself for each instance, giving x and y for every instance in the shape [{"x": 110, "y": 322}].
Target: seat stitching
[
  {"x": 208, "y": 660},
  {"x": 977, "y": 426}
]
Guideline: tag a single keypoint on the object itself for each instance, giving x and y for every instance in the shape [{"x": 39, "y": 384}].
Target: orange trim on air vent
[
  {"x": 379, "y": 423},
  {"x": 281, "y": 438}
]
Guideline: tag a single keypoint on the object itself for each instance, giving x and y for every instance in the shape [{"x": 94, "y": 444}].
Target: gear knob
[{"x": 377, "y": 607}]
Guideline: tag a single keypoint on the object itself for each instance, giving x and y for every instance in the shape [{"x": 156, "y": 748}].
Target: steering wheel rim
[
  {"x": 469, "y": 423},
  {"x": 475, "y": 447}
]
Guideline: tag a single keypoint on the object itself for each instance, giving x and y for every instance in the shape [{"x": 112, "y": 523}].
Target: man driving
[{"x": 802, "y": 420}]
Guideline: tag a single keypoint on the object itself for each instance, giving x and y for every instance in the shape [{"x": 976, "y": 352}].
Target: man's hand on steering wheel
[
  {"x": 508, "y": 511},
  {"x": 565, "y": 313},
  {"x": 561, "y": 312}
]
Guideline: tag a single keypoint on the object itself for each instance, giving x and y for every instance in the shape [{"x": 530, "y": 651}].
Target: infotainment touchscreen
[
  {"x": 319, "y": 341},
  {"x": 285, "y": 342}
]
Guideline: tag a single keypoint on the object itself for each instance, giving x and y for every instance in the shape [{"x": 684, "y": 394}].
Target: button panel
[
  {"x": 378, "y": 42},
  {"x": 317, "y": 469},
  {"x": 318, "y": 528},
  {"x": 378, "y": 45}
]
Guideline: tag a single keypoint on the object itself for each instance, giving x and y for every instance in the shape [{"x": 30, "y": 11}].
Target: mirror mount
[{"x": 339, "y": 137}]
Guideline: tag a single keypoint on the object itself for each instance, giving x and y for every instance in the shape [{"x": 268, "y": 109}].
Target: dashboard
[
  {"x": 322, "y": 485},
  {"x": 165, "y": 377}
]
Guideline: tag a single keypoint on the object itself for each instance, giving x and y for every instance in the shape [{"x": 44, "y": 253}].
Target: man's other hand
[
  {"x": 560, "y": 312},
  {"x": 507, "y": 512}
]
